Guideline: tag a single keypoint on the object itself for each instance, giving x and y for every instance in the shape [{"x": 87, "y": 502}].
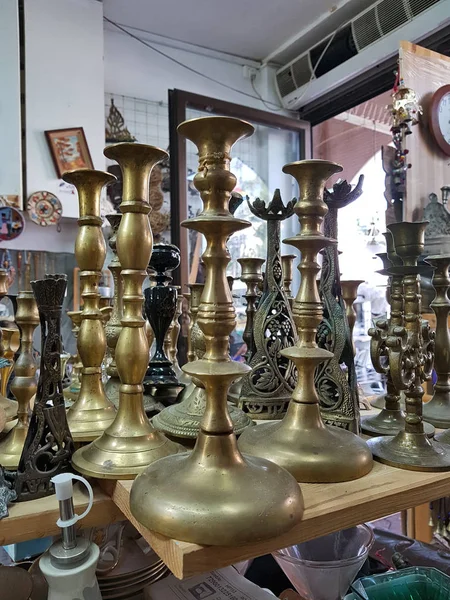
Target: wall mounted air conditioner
[{"x": 365, "y": 41}]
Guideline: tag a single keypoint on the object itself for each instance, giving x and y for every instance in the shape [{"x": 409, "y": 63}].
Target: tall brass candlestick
[
  {"x": 10, "y": 344},
  {"x": 92, "y": 412},
  {"x": 130, "y": 443},
  {"x": 114, "y": 325},
  {"x": 391, "y": 419},
  {"x": 215, "y": 495},
  {"x": 10, "y": 407},
  {"x": 349, "y": 290},
  {"x": 251, "y": 275},
  {"x": 301, "y": 442},
  {"x": 287, "y": 265},
  {"x": 437, "y": 410},
  {"x": 25, "y": 384},
  {"x": 411, "y": 353}
]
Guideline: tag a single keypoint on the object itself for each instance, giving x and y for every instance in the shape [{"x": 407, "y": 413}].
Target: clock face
[{"x": 444, "y": 117}]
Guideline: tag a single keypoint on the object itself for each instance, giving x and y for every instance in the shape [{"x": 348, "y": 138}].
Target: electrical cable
[{"x": 192, "y": 70}]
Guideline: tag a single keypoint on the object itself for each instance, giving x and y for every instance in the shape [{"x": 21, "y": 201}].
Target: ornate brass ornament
[
  {"x": 391, "y": 419},
  {"x": 437, "y": 410},
  {"x": 24, "y": 385},
  {"x": 48, "y": 446},
  {"x": 411, "y": 352},
  {"x": 337, "y": 387},
  {"x": 115, "y": 127},
  {"x": 310, "y": 450},
  {"x": 215, "y": 495},
  {"x": 130, "y": 443},
  {"x": 92, "y": 412},
  {"x": 10, "y": 407},
  {"x": 114, "y": 325},
  {"x": 266, "y": 390}
]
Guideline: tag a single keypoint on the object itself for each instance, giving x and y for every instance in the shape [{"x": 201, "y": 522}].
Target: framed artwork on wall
[{"x": 69, "y": 149}]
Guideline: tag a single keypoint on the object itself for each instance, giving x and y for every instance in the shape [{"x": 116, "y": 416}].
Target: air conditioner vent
[
  {"x": 418, "y": 6},
  {"x": 365, "y": 29},
  {"x": 301, "y": 70},
  {"x": 285, "y": 82},
  {"x": 391, "y": 14}
]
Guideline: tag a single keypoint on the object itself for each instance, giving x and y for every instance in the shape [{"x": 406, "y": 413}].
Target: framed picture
[{"x": 69, "y": 149}]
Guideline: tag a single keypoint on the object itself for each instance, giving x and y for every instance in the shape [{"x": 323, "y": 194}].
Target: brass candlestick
[
  {"x": 287, "y": 266},
  {"x": 25, "y": 384},
  {"x": 182, "y": 420},
  {"x": 114, "y": 325},
  {"x": 251, "y": 275},
  {"x": 391, "y": 419},
  {"x": 410, "y": 352},
  {"x": 172, "y": 336},
  {"x": 215, "y": 495},
  {"x": 8, "y": 406},
  {"x": 349, "y": 290},
  {"x": 437, "y": 410},
  {"x": 10, "y": 341},
  {"x": 92, "y": 412},
  {"x": 301, "y": 442},
  {"x": 72, "y": 392},
  {"x": 130, "y": 443}
]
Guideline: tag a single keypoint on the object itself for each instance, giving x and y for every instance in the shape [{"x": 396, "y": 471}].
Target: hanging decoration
[
  {"x": 44, "y": 209},
  {"x": 115, "y": 127}
]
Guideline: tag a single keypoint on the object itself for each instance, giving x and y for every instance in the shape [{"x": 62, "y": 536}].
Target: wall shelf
[{"x": 330, "y": 507}]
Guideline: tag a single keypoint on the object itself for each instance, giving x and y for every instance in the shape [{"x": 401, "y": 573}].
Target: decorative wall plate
[
  {"x": 44, "y": 208},
  {"x": 12, "y": 223}
]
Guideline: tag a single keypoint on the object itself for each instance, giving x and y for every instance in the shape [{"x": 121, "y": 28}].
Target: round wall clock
[
  {"x": 440, "y": 118},
  {"x": 44, "y": 208}
]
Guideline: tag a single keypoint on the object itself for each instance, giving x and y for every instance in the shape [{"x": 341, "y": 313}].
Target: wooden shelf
[
  {"x": 37, "y": 518},
  {"x": 328, "y": 508}
]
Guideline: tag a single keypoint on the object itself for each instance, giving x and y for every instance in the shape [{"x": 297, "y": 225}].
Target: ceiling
[{"x": 253, "y": 29}]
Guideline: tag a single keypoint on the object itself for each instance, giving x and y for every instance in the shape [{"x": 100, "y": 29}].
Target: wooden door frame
[{"x": 179, "y": 102}]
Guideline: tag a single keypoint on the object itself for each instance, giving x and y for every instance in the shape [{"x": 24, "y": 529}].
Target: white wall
[
  {"x": 132, "y": 69},
  {"x": 64, "y": 86},
  {"x": 10, "y": 127}
]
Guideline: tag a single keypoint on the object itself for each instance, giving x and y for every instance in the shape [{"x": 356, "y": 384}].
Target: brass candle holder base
[
  {"x": 220, "y": 497},
  {"x": 9, "y": 407},
  {"x": 380, "y": 402},
  {"x": 312, "y": 453},
  {"x": 389, "y": 422},
  {"x": 411, "y": 451},
  {"x": 183, "y": 420},
  {"x": 123, "y": 453},
  {"x": 11, "y": 447}
]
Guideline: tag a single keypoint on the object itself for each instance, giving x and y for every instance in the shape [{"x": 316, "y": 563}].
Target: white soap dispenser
[{"x": 69, "y": 564}]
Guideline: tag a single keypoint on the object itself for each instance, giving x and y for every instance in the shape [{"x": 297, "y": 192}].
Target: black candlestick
[{"x": 160, "y": 306}]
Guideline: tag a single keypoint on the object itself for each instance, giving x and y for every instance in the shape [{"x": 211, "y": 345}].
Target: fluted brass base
[
  {"x": 437, "y": 410},
  {"x": 443, "y": 437},
  {"x": 126, "y": 448},
  {"x": 92, "y": 413},
  {"x": 10, "y": 407},
  {"x": 11, "y": 447},
  {"x": 411, "y": 451},
  {"x": 208, "y": 496},
  {"x": 311, "y": 451},
  {"x": 389, "y": 422},
  {"x": 183, "y": 420},
  {"x": 380, "y": 401}
]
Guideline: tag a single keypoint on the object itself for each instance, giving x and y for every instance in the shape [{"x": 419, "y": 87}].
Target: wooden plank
[
  {"x": 331, "y": 507},
  {"x": 37, "y": 518}
]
